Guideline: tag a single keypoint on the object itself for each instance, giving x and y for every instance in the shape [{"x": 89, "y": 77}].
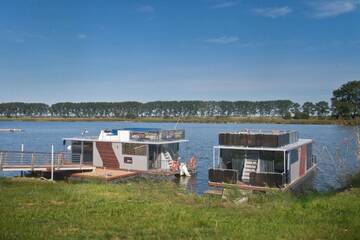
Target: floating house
[
  {"x": 138, "y": 149},
  {"x": 261, "y": 160}
]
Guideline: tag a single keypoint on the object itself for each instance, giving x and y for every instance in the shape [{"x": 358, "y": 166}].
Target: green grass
[
  {"x": 272, "y": 120},
  {"x": 33, "y": 209}
]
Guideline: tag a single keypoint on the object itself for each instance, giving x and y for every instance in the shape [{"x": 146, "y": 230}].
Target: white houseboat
[
  {"x": 262, "y": 160},
  {"x": 137, "y": 149}
]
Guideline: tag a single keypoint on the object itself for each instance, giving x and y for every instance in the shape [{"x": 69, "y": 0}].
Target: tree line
[
  {"x": 344, "y": 104},
  {"x": 283, "y": 108}
]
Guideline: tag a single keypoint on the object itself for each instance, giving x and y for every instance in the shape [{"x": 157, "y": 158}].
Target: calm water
[{"x": 335, "y": 145}]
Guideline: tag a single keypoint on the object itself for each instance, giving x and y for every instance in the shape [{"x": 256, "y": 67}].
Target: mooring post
[
  {"x": 32, "y": 161},
  {"x": 82, "y": 155},
  {"x": 213, "y": 158},
  {"x": 22, "y": 153},
  {"x": 52, "y": 162},
  {"x": 1, "y": 161}
]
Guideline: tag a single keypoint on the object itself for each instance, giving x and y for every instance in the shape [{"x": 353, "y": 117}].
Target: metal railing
[{"x": 33, "y": 160}]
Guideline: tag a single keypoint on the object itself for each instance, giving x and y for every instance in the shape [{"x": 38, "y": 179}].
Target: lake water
[{"x": 334, "y": 145}]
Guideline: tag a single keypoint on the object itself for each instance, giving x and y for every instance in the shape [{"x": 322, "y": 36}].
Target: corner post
[
  {"x": 1, "y": 161},
  {"x": 213, "y": 157},
  {"x": 52, "y": 162},
  {"x": 82, "y": 154}
]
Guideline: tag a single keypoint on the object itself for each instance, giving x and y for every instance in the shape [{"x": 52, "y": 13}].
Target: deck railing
[{"x": 32, "y": 160}]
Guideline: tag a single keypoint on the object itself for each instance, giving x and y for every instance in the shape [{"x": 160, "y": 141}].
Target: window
[
  {"x": 272, "y": 161},
  {"x": 134, "y": 149},
  {"x": 128, "y": 160},
  {"x": 294, "y": 156}
]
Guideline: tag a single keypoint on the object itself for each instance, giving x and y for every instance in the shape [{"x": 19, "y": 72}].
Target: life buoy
[
  {"x": 191, "y": 164},
  {"x": 174, "y": 165}
]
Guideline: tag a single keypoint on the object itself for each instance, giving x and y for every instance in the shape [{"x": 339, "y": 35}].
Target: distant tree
[
  {"x": 346, "y": 100},
  {"x": 322, "y": 108},
  {"x": 309, "y": 108},
  {"x": 295, "y": 108}
]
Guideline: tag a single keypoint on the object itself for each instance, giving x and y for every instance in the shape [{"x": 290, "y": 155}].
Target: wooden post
[{"x": 32, "y": 161}]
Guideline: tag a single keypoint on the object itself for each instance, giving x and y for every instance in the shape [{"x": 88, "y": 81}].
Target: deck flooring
[{"x": 105, "y": 174}]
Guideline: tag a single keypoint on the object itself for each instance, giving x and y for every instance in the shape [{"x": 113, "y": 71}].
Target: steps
[
  {"x": 250, "y": 166},
  {"x": 107, "y": 155},
  {"x": 168, "y": 156}
]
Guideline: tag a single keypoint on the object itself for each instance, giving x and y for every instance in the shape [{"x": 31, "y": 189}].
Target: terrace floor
[{"x": 105, "y": 174}]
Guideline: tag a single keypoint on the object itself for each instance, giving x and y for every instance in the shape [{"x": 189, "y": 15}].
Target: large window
[
  {"x": 272, "y": 161},
  {"x": 294, "y": 156},
  {"x": 87, "y": 151},
  {"x": 232, "y": 159},
  {"x": 134, "y": 149}
]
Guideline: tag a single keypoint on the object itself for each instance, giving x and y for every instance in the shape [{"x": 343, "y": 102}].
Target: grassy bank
[
  {"x": 31, "y": 209},
  {"x": 272, "y": 120}
]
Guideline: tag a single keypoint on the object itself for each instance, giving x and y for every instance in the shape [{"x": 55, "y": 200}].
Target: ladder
[
  {"x": 168, "y": 156},
  {"x": 250, "y": 166}
]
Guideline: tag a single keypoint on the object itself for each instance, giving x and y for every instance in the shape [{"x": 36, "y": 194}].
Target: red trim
[{"x": 303, "y": 156}]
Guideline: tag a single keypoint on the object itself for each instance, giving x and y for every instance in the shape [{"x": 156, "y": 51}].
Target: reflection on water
[{"x": 334, "y": 145}]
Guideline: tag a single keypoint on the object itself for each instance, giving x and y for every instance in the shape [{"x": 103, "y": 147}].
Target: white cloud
[
  {"x": 223, "y": 40},
  {"x": 225, "y": 4},
  {"x": 332, "y": 8},
  {"x": 145, "y": 9},
  {"x": 273, "y": 12},
  {"x": 81, "y": 36}
]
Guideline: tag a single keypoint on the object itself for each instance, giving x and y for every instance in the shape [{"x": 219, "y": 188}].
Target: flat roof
[
  {"x": 130, "y": 141},
  {"x": 259, "y": 132},
  {"x": 288, "y": 147},
  {"x": 135, "y": 129}
]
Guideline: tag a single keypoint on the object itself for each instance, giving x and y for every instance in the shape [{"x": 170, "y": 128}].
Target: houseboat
[
  {"x": 150, "y": 150},
  {"x": 262, "y": 160}
]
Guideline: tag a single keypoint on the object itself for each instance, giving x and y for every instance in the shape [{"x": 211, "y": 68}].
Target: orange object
[
  {"x": 174, "y": 165},
  {"x": 192, "y": 163}
]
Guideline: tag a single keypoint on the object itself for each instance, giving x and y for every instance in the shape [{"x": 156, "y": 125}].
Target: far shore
[{"x": 270, "y": 120}]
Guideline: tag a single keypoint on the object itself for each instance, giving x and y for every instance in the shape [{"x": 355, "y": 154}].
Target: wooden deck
[
  {"x": 166, "y": 173},
  {"x": 105, "y": 174}
]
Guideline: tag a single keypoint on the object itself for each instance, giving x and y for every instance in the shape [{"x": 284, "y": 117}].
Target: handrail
[{"x": 19, "y": 159}]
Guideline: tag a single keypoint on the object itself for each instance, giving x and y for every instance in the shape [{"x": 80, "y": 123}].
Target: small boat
[
  {"x": 262, "y": 160},
  {"x": 147, "y": 150},
  {"x": 11, "y": 130}
]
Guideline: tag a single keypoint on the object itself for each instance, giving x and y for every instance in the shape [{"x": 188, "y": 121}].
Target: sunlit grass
[{"x": 32, "y": 209}]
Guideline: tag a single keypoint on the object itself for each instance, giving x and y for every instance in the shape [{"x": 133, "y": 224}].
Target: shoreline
[{"x": 255, "y": 120}]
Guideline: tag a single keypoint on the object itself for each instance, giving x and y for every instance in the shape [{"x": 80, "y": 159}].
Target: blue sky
[{"x": 78, "y": 50}]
